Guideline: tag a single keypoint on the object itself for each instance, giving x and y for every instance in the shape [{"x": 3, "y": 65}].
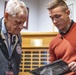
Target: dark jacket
[{"x": 12, "y": 63}]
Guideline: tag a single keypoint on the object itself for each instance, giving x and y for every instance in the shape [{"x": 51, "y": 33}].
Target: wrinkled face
[
  {"x": 15, "y": 24},
  {"x": 59, "y": 17}
]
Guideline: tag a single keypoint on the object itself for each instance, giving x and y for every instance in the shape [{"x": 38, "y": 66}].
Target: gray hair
[{"x": 15, "y": 7}]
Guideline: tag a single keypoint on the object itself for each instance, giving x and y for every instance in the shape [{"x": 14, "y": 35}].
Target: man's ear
[
  {"x": 6, "y": 15},
  {"x": 68, "y": 12}
]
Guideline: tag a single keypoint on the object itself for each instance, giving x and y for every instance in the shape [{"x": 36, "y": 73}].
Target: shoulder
[
  {"x": 73, "y": 26},
  {"x": 55, "y": 40}
]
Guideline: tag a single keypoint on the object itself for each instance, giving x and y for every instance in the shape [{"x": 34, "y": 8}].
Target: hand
[{"x": 72, "y": 66}]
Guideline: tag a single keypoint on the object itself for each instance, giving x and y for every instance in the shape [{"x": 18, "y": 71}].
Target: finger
[
  {"x": 71, "y": 64},
  {"x": 73, "y": 68}
]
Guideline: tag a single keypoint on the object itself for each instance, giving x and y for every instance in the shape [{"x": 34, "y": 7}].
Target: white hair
[{"x": 14, "y": 7}]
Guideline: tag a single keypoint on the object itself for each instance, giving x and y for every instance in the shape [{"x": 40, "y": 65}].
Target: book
[{"x": 59, "y": 67}]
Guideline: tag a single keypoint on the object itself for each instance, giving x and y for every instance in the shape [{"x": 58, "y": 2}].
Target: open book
[{"x": 58, "y": 67}]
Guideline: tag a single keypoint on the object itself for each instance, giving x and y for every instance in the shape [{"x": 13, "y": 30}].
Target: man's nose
[
  {"x": 54, "y": 21},
  {"x": 21, "y": 26}
]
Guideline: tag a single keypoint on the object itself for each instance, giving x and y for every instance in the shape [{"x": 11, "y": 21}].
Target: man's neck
[{"x": 66, "y": 29}]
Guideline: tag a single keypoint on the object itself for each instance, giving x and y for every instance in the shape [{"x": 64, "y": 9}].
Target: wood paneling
[
  {"x": 34, "y": 56},
  {"x": 45, "y": 36}
]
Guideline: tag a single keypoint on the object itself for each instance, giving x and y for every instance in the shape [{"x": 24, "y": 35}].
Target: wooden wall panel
[
  {"x": 45, "y": 36},
  {"x": 34, "y": 56}
]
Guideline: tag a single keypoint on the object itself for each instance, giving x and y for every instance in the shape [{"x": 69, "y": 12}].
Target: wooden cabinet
[{"x": 35, "y": 51}]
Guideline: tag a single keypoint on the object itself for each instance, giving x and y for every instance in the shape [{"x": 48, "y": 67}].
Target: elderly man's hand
[{"x": 72, "y": 66}]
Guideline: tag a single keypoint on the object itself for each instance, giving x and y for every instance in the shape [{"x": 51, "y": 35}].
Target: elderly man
[{"x": 10, "y": 39}]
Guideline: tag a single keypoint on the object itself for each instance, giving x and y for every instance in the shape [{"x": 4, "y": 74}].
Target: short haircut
[
  {"x": 55, "y": 3},
  {"x": 15, "y": 7}
]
